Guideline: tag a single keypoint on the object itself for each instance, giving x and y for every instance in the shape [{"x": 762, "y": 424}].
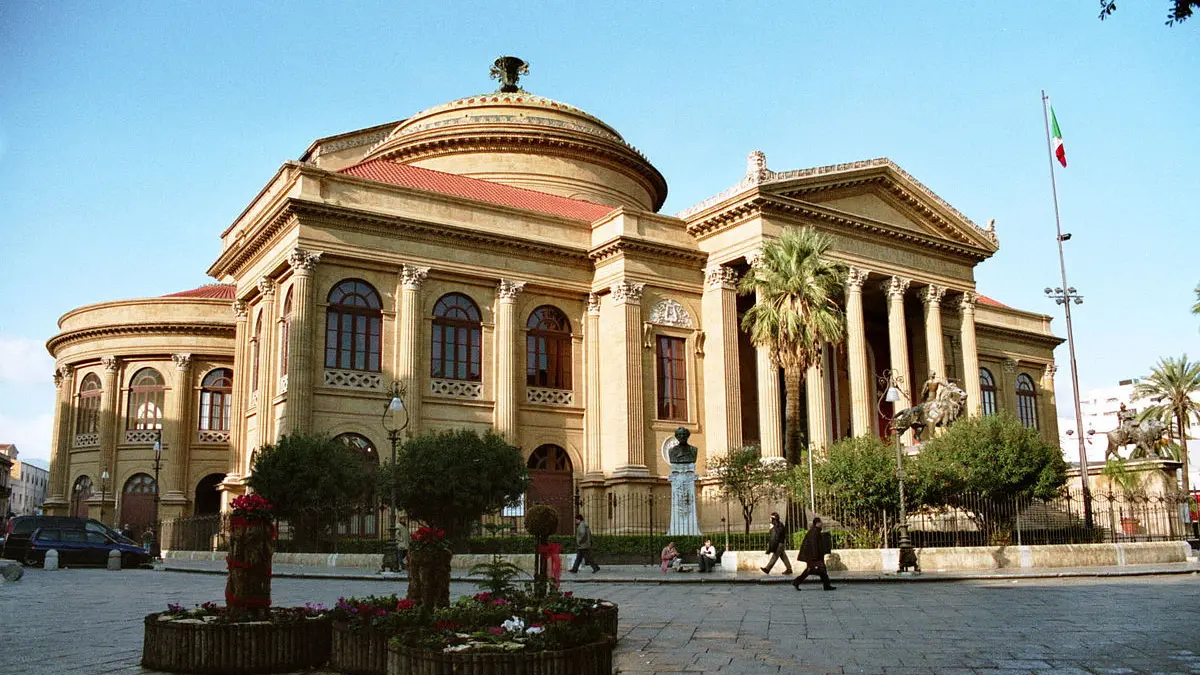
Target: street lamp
[
  {"x": 156, "y": 546},
  {"x": 103, "y": 490},
  {"x": 890, "y": 381},
  {"x": 391, "y": 552}
]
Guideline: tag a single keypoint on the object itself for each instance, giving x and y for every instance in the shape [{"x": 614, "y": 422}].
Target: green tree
[
  {"x": 1178, "y": 13},
  {"x": 856, "y": 482},
  {"x": 1173, "y": 386},
  {"x": 450, "y": 479},
  {"x": 314, "y": 482},
  {"x": 797, "y": 311},
  {"x": 983, "y": 465},
  {"x": 743, "y": 476},
  {"x": 1196, "y": 307}
]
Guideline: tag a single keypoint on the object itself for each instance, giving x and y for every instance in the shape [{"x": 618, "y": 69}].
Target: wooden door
[{"x": 553, "y": 484}]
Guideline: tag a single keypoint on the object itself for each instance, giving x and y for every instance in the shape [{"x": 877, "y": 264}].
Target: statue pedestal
[{"x": 683, "y": 500}]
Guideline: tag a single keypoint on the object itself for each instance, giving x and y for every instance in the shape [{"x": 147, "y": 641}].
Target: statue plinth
[{"x": 683, "y": 499}]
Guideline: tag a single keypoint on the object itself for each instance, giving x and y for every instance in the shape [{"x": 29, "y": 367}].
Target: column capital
[
  {"x": 593, "y": 304},
  {"x": 266, "y": 286},
  {"x": 61, "y": 373},
  {"x": 968, "y": 301},
  {"x": 303, "y": 262},
  {"x": 627, "y": 292},
  {"x": 411, "y": 277},
  {"x": 182, "y": 361},
  {"x": 855, "y": 278},
  {"x": 720, "y": 277},
  {"x": 1009, "y": 365},
  {"x": 932, "y": 295},
  {"x": 509, "y": 290},
  {"x": 240, "y": 310},
  {"x": 110, "y": 363},
  {"x": 1051, "y": 369},
  {"x": 895, "y": 287}
]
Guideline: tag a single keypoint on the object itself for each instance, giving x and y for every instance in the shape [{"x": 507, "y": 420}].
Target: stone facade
[{"x": 502, "y": 257}]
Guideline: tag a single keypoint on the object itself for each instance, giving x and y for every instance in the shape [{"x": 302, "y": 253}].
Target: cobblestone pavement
[{"x": 89, "y": 621}]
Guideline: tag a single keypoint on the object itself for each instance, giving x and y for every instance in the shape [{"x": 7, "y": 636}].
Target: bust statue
[{"x": 682, "y": 453}]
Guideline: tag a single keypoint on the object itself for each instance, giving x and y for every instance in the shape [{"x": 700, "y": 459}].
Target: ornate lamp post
[
  {"x": 889, "y": 382},
  {"x": 156, "y": 547},
  {"x": 394, "y": 427},
  {"x": 103, "y": 492}
]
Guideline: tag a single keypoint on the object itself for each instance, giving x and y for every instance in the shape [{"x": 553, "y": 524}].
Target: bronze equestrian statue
[
  {"x": 944, "y": 403},
  {"x": 1145, "y": 438}
]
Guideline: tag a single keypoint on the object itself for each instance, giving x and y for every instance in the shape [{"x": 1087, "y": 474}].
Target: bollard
[
  {"x": 114, "y": 560},
  {"x": 51, "y": 560},
  {"x": 11, "y": 572}
]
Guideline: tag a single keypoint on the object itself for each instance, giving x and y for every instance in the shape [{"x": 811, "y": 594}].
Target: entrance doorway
[
  {"x": 137, "y": 503},
  {"x": 208, "y": 498},
  {"x": 80, "y": 494},
  {"x": 552, "y": 483}
]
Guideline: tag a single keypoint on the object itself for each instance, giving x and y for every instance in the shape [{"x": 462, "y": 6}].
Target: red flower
[
  {"x": 483, "y": 597},
  {"x": 404, "y": 604},
  {"x": 446, "y": 624}
]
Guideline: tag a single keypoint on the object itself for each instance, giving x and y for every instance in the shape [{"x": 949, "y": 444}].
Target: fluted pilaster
[
  {"x": 268, "y": 377},
  {"x": 302, "y": 357},
  {"x": 970, "y": 349},
  {"x": 506, "y": 385},
  {"x": 238, "y": 454},
  {"x": 593, "y": 458},
  {"x": 108, "y": 411},
  {"x": 409, "y": 325},
  {"x": 856, "y": 347},
  {"x": 60, "y": 443},
  {"x": 627, "y": 297},
  {"x": 176, "y": 431},
  {"x": 722, "y": 379}
]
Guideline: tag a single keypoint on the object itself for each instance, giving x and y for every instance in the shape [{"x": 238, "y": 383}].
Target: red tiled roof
[
  {"x": 218, "y": 291},
  {"x": 985, "y": 300},
  {"x": 386, "y": 171}
]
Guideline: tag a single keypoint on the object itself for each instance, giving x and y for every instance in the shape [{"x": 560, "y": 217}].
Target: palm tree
[
  {"x": 1196, "y": 307},
  {"x": 1172, "y": 385},
  {"x": 798, "y": 287}
]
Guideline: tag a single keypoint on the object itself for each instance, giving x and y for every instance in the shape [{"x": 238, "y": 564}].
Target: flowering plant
[
  {"x": 388, "y": 613},
  {"x": 211, "y": 612},
  {"x": 428, "y": 539},
  {"x": 252, "y": 506}
]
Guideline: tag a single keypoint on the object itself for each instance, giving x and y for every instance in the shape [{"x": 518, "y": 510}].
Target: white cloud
[
  {"x": 24, "y": 361},
  {"x": 31, "y": 435}
]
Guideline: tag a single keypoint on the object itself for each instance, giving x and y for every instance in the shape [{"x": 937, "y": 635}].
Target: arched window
[
  {"x": 140, "y": 484},
  {"x": 145, "y": 400},
  {"x": 1026, "y": 401},
  {"x": 457, "y": 335},
  {"x": 87, "y": 420},
  {"x": 285, "y": 330},
  {"x": 255, "y": 352},
  {"x": 353, "y": 324},
  {"x": 216, "y": 397},
  {"x": 548, "y": 349},
  {"x": 987, "y": 389}
]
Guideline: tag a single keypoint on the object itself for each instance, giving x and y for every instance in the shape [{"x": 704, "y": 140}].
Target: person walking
[
  {"x": 583, "y": 545},
  {"x": 776, "y": 545},
  {"x": 812, "y": 554}
]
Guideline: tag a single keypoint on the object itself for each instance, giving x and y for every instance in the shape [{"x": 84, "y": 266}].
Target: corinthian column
[
  {"x": 108, "y": 412},
  {"x": 932, "y": 297},
  {"x": 409, "y": 324},
  {"x": 591, "y": 332},
  {"x": 506, "y": 385},
  {"x": 60, "y": 469},
  {"x": 237, "y": 402},
  {"x": 177, "y": 432},
  {"x": 302, "y": 365},
  {"x": 816, "y": 384},
  {"x": 722, "y": 381},
  {"x": 856, "y": 347},
  {"x": 898, "y": 341},
  {"x": 627, "y": 297},
  {"x": 970, "y": 355}
]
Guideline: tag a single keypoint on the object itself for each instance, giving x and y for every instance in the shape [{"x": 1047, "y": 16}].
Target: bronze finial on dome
[{"x": 509, "y": 69}]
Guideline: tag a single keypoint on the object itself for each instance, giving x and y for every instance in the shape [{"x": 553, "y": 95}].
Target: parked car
[
  {"x": 81, "y": 547},
  {"x": 20, "y": 529}
]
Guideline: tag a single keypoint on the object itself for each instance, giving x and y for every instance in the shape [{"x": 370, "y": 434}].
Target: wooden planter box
[
  {"x": 258, "y": 647},
  {"x": 593, "y": 659},
  {"x": 358, "y": 652},
  {"x": 607, "y": 618}
]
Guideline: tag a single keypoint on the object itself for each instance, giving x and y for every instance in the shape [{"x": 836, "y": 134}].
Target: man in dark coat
[
  {"x": 777, "y": 545},
  {"x": 812, "y": 553}
]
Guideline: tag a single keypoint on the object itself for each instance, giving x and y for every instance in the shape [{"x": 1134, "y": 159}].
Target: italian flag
[{"x": 1059, "y": 151}]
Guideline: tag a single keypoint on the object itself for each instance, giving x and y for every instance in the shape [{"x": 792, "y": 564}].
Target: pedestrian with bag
[
  {"x": 776, "y": 545},
  {"x": 583, "y": 545},
  {"x": 812, "y": 553}
]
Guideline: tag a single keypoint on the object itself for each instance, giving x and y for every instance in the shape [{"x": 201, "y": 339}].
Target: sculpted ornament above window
[{"x": 668, "y": 312}]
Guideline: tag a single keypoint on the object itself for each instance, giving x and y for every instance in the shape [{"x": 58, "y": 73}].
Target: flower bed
[
  {"x": 212, "y": 641},
  {"x": 589, "y": 659},
  {"x": 362, "y": 628}
]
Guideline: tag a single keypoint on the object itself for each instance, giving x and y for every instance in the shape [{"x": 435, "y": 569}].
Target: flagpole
[{"x": 1064, "y": 296}]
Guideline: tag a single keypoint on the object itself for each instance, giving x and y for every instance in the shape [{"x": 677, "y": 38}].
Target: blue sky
[{"x": 131, "y": 134}]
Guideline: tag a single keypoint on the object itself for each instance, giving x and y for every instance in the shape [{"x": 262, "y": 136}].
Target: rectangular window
[{"x": 672, "y": 378}]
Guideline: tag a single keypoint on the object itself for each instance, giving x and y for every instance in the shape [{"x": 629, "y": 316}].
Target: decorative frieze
[
  {"x": 353, "y": 379},
  {"x": 209, "y": 436},
  {"x": 303, "y": 262},
  {"x": 932, "y": 295},
  {"x": 627, "y": 292},
  {"x": 411, "y": 277},
  {"x": 456, "y": 388},
  {"x": 720, "y": 277},
  {"x": 855, "y": 278},
  {"x": 667, "y": 312},
  {"x": 564, "y": 397},
  {"x": 509, "y": 290},
  {"x": 87, "y": 440},
  {"x": 142, "y": 435}
]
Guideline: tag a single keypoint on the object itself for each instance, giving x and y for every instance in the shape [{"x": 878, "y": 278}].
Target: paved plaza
[{"x": 90, "y": 621}]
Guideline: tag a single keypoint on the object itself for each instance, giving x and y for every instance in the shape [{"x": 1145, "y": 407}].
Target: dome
[{"x": 518, "y": 139}]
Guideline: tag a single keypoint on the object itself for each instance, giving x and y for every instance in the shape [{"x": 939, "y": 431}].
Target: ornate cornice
[
  {"x": 626, "y": 245},
  {"x": 509, "y": 290},
  {"x": 1050, "y": 341},
  {"x": 171, "y": 328},
  {"x": 411, "y": 277},
  {"x": 855, "y": 277},
  {"x": 627, "y": 292},
  {"x": 236, "y": 258}
]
